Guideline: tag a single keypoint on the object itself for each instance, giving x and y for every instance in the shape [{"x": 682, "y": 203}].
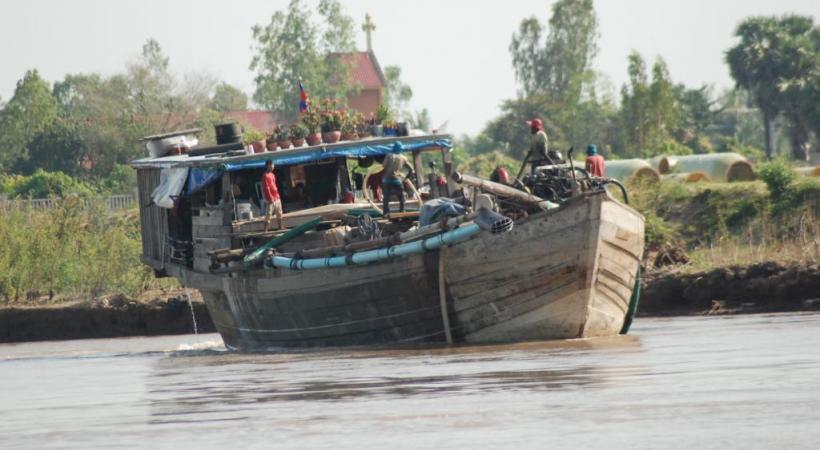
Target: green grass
[
  {"x": 722, "y": 224},
  {"x": 72, "y": 252}
]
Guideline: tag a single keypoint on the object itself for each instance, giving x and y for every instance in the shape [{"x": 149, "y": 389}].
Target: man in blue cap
[
  {"x": 595, "y": 162},
  {"x": 394, "y": 175}
]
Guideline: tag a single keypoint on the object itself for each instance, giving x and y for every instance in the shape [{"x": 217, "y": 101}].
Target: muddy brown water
[{"x": 696, "y": 382}]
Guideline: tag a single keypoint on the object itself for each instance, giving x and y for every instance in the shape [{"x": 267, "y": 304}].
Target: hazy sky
[{"x": 453, "y": 53}]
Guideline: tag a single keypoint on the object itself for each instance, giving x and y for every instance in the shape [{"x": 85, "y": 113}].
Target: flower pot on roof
[
  {"x": 390, "y": 128},
  {"x": 282, "y": 137},
  {"x": 332, "y": 137},
  {"x": 270, "y": 142},
  {"x": 361, "y": 125},
  {"x": 331, "y": 125},
  {"x": 314, "y": 138},
  {"x": 256, "y": 140},
  {"x": 312, "y": 120},
  {"x": 349, "y": 127},
  {"x": 297, "y": 133}
]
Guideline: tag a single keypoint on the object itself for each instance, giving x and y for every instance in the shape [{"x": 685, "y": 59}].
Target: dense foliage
[
  {"x": 86, "y": 124},
  {"x": 73, "y": 249}
]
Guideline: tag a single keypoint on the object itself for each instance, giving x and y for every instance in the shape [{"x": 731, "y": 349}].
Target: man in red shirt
[
  {"x": 271, "y": 193},
  {"x": 595, "y": 162}
]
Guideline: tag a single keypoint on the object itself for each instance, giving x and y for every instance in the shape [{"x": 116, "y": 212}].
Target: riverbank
[
  {"x": 742, "y": 289},
  {"x": 153, "y": 313},
  {"x": 755, "y": 288}
]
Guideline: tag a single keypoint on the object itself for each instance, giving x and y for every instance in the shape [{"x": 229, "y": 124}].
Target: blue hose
[{"x": 435, "y": 242}]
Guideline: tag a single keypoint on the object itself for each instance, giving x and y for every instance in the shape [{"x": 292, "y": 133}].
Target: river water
[{"x": 705, "y": 382}]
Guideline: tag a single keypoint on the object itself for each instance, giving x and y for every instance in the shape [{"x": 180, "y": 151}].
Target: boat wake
[{"x": 211, "y": 344}]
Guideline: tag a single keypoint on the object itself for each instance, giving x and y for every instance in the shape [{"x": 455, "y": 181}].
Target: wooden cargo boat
[{"x": 563, "y": 272}]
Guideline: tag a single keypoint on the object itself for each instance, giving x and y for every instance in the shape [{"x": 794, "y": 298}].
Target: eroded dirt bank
[
  {"x": 756, "y": 288},
  {"x": 164, "y": 313}
]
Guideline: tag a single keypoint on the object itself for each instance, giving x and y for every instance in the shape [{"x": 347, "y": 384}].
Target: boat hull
[{"x": 565, "y": 273}]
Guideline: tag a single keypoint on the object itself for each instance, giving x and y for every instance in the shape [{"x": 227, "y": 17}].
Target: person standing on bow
[
  {"x": 594, "y": 162},
  {"x": 273, "y": 203},
  {"x": 539, "y": 146},
  {"x": 394, "y": 176}
]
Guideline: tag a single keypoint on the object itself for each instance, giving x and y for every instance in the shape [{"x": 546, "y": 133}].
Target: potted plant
[
  {"x": 381, "y": 116},
  {"x": 282, "y": 137},
  {"x": 362, "y": 126},
  {"x": 271, "y": 142},
  {"x": 312, "y": 120},
  {"x": 349, "y": 127},
  {"x": 390, "y": 128},
  {"x": 297, "y": 133},
  {"x": 331, "y": 122},
  {"x": 255, "y": 139}
]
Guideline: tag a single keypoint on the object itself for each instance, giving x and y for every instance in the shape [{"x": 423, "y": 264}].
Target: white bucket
[{"x": 244, "y": 211}]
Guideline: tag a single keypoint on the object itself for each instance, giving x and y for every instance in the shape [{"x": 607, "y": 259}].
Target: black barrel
[
  {"x": 228, "y": 133},
  {"x": 219, "y": 148}
]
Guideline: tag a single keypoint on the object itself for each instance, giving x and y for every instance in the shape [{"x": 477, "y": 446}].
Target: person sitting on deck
[
  {"x": 271, "y": 194},
  {"x": 595, "y": 162},
  {"x": 393, "y": 178}
]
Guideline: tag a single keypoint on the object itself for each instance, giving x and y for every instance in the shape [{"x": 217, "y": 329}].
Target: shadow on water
[{"x": 205, "y": 386}]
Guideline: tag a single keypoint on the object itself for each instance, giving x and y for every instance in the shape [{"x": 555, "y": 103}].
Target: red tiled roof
[
  {"x": 259, "y": 120},
  {"x": 365, "y": 69}
]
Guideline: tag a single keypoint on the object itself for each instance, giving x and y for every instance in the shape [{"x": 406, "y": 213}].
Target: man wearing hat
[
  {"x": 595, "y": 162},
  {"x": 539, "y": 145}
]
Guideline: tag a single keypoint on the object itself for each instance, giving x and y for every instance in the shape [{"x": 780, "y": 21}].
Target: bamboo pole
[
  {"x": 442, "y": 295},
  {"x": 501, "y": 189}
]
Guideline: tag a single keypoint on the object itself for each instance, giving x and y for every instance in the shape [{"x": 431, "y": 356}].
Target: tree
[
  {"x": 58, "y": 148},
  {"x": 397, "y": 94},
  {"x": 662, "y": 103},
  {"x": 30, "y": 110},
  {"x": 107, "y": 119},
  {"x": 561, "y": 65},
  {"x": 553, "y": 66},
  {"x": 42, "y": 184},
  {"x": 651, "y": 112},
  {"x": 421, "y": 120},
  {"x": 294, "y": 45},
  {"x": 228, "y": 98},
  {"x": 777, "y": 61},
  {"x": 635, "y": 109},
  {"x": 111, "y": 114}
]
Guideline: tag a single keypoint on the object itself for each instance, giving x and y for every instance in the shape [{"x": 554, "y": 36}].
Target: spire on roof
[{"x": 368, "y": 27}]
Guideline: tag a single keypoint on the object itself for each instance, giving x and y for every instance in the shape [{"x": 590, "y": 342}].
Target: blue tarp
[
  {"x": 432, "y": 210},
  {"x": 362, "y": 150},
  {"x": 199, "y": 178}
]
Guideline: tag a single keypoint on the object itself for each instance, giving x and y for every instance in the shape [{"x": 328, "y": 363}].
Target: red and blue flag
[{"x": 303, "y": 98}]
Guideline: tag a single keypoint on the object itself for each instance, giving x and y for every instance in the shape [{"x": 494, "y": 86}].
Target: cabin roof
[
  {"x": 303, "y": 155},
  {"x": 365, "y": 70}
]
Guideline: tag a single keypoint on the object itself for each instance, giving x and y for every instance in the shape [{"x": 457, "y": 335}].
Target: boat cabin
[{"x": 198, "y": 203}]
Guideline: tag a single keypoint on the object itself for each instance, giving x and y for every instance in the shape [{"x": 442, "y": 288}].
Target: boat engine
[{"x": 553, "y": 182}]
